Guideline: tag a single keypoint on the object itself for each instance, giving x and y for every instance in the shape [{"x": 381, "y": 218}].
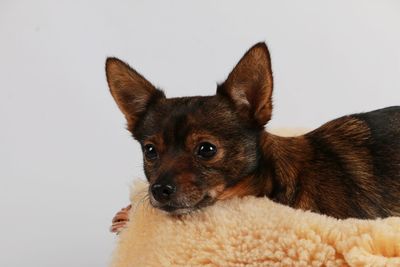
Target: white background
[{"x": 66, "y": 161}]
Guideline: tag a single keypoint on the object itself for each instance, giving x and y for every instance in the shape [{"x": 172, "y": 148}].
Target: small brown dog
[{"x": 198, "y": 150}]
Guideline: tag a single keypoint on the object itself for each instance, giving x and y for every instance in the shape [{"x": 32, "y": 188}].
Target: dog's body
[
  {"x": 349, "y": 167},
  {"x": 198, "y": 150}
]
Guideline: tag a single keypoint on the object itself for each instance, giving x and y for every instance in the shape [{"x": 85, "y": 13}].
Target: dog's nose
[{"x": 163, "y": 192}]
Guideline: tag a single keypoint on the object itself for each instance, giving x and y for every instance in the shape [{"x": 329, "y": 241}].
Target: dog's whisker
[
  {"x": 221, "y": 205},
  {"x": 140, "y": 202}
]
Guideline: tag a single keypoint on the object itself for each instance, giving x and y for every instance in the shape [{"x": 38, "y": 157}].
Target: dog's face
[
  {"x": 197, "y": 150},
  {"x": 193, "y": 148}
]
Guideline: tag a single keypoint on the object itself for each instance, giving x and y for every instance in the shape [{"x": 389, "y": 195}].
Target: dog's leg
[{"x": 120, "y": 220}]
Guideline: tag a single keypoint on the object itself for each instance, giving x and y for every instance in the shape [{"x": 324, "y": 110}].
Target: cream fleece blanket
[{"x": 252, "y": 232}]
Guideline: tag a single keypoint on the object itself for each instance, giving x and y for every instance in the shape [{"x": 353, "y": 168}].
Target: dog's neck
[
  {"x": 281, "y": 163},
  {"x": 277, "y": 174}
]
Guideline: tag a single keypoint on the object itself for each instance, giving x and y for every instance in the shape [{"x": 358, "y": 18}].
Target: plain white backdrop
[{"x": 66, "y": 161}]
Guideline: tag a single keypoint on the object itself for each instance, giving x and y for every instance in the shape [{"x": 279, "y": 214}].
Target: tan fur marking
[{"x": 244, "y": 188}]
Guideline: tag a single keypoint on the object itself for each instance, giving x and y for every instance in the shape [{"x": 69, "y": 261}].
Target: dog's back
[
  {"x": 384, "y": 142},
  {"x": 354, "y": 166}
]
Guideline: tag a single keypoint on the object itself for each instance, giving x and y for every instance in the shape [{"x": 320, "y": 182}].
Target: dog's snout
[{"x": 163, "y": 192}]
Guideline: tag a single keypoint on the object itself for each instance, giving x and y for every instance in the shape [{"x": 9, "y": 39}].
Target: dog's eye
[
  {"x": 206, "y": 150},
  {"x": 150, "y": 151}
]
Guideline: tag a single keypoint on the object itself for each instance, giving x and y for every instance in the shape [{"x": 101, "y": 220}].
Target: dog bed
[{"x": 252, "y": 232}]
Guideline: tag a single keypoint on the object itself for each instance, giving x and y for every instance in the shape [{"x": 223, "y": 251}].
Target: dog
[{"x": 199, "y": 150}]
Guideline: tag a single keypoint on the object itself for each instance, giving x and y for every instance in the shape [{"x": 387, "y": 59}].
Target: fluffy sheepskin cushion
[{"x": 252, "y": 232}]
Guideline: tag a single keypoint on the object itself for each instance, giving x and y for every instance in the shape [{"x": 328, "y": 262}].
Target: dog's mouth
[{"x": 174, "y": 209}]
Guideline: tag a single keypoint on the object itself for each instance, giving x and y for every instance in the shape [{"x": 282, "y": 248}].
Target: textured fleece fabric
[{"x": 252, "y": 232}]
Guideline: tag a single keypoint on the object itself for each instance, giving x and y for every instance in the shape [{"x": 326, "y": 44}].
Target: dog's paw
[{"x": 120, "y": 220}]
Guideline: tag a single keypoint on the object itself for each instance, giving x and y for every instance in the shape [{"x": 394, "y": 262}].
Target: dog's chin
[
  {"x": 176, "y": 210},
  {"x": 181, "y": 210}
]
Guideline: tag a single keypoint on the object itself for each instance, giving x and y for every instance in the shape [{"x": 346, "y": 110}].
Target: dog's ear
[
  {"x": 132, "y": 92},
  {"x": 249, "y": 85}
]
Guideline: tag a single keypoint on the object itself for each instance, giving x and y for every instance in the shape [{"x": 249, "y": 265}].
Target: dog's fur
[{"x": 349, "y": 167}]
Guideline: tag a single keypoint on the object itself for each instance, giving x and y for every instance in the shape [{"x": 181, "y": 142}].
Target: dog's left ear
[{"x": 249, "y": 85}]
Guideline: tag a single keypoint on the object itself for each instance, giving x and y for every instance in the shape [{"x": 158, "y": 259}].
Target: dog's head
[{"x": 197, "y": 150}]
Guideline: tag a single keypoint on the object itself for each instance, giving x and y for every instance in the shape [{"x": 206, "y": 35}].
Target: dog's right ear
[{"x": 132, "y": 92}]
